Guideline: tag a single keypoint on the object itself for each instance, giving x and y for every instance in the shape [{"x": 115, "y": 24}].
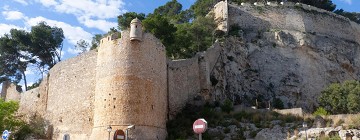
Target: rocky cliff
[{"x": 289, "y": 52}]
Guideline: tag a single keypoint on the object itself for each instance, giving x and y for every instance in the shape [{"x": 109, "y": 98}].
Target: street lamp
[
  {"x": 109, "y": 129},
  {"x": 304, "y": 126},
  {"x": 127, "y": 131}
]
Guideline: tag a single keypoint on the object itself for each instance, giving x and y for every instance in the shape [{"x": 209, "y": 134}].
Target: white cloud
[
  {"x": 72, "y": 33},
  {"x": 91, "y": 13},
  {"x": 100, "y": 24},
  {"x": 23, "y": 2},
  {"x": 347, "y": 1},
  {"x": 6, "y": 7},
  {"x": 29, "y": 72},
  {"x": 13, "y": 15},
  {"x": 48, "y": 3},
  {"x": 5, "y": 28}
]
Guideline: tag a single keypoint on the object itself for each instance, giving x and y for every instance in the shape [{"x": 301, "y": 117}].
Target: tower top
[
  {"x": 135, "y": 21},
  {"x": 135, "y": 30}
]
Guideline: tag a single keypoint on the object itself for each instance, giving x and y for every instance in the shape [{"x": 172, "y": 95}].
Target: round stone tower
[
  {"x": 131, "y": 87},
  {"x": 135, "y": 30}
]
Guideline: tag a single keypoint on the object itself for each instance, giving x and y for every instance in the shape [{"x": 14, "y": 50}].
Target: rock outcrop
[{"x": 289, "y": 53}]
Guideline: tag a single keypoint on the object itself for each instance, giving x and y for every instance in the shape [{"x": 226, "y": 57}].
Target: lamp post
[
  {"x": 109, "y": 129},
  {"x": 305, "y": 126},
  {"x": 127, "y": 131}
]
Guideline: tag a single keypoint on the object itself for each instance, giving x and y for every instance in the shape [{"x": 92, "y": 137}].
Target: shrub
[
  {"x": 234, "y": 30},
  {"x": 227, "y": 106},
  {"x": 321, "y": 112},
  {"x": 278, "y": 103},
  {"x": 253, "y": 134},
  {"x": 341, "y": 98}
]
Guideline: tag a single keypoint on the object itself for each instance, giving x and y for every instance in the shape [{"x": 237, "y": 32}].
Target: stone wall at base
[{"x": 292, "y": 111}]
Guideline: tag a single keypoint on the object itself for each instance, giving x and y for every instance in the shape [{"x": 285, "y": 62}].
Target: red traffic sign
[
  {"x": 119, "y": 135},
  {"x": 200, "y": 126}
]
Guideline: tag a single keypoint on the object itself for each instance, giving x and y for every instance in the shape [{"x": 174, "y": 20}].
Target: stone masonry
[{"x": 286, "y": 51}]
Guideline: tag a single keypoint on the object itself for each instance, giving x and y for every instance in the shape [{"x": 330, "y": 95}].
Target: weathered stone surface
[
  {"x": 9, "y": 92},
  {"x": 131, "y": 79},
  {"x": 276, "y": 133},
  {"x": 319, "y": 122},
  {"x": 288, "y": 53}
]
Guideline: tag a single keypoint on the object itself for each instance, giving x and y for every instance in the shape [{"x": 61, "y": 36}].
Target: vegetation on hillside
[
  {"x": 341, "y": 98},
  {"x": 183, "y": 32},
  {"x": 221, "y": 116}
]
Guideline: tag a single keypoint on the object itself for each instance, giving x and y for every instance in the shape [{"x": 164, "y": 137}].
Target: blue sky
[{"x": 81, "y": 19}]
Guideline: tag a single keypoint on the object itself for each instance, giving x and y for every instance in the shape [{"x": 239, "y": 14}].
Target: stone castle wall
[
  {"x": 295, "y": 17},
  {"x": 70, "y": 95},
  {"x": 131, "y": 88},
  {"x": 64, "y": 99},
  {"x": 9, "y": 92},
  {"x": 189, "y": 78},
  {"x": 129, "y": 83},
  {"x": 181, "y": 92}
]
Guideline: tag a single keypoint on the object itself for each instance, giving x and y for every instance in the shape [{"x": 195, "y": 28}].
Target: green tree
[
  {"x": 183, "y": 41},
  {"x": 82, "y": 46},
  {"x": 171, "y": 25},
  {"x": 8, "y": 119},
  {"x": 173, "y": 11},
  {"x": 323, "y": 4},
  {"x": 202, "y": 7},
  {"x": 202, "y": 30},
  {"x": 46, "y": 44},
  {"x": 341, "y": 98},
  {"x": 125, "y": 19},
  {"x": 170, "y": 9},
  {"x": 95, "y": 42},
  {"x": 162, "y": 29},
  {"x": 14, "y": 57},
  {"x": 42, "y": 46},
  {"x": 352, "y": 16}
]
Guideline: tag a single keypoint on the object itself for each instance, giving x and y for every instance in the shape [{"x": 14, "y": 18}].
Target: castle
[{"x": 129, "y": 80}]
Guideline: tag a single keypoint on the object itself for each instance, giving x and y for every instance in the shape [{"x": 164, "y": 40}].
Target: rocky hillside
[{"x": 288, "y": 52}]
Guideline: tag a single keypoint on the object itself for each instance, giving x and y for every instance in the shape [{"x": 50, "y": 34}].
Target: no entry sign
[{"x": 200, "y": 126}]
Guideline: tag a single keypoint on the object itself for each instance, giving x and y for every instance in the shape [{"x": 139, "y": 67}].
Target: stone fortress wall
[
  {"x": 81, "y": 96},
  {"x": 65, "y": 97},
  {"x": 9, "y": 92},
  {"x": 131, "y": 87},
  {"x": 132, "y": 83},
  {"x": 293, "y": 17}
]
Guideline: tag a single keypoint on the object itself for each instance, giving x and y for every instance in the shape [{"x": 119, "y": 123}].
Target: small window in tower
[{"x": 135, "y": 26}]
